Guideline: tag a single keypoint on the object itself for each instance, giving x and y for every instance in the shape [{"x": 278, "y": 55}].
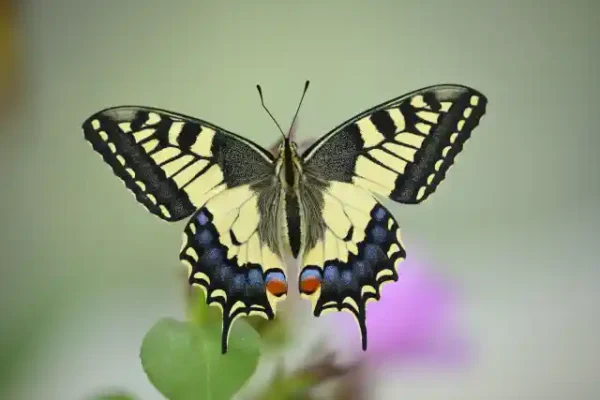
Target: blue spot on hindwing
[
  {"x": 331, "y": 273},
  {"x": 361, "y": 270},
  {"x": 213, "y": 256},
  {"x": 379, "y": 234},
  {"x": 255, "y": 278},
  {"x": 331, "y": 277},
  {"x": 204, "y": 237},
  {"x": 372, "y": 253},
  {"x": 223, "y": 273},
  {"x": 254, "y": 281},
  {"x": 202, "y": 218},
  {"x": 237, "y": 283},
  {"x": 379, "y": 213},
  {"x": 347, "y": 277}
]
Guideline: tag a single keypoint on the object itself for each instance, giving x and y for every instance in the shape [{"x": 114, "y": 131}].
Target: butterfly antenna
[
  {"x": 299, "y": 104},
  {"x": 262, "y": 101}
]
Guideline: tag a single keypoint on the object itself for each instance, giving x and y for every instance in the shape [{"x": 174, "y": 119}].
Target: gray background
[{"x": 514, "y": 224}]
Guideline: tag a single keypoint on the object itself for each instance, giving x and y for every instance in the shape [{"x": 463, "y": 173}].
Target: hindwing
[
  {"x": 171, "y": 162},
  {"x": 356, "y": 251},
  {"x": 402, "y": 148},
  {"x": 232, "y": 253}
]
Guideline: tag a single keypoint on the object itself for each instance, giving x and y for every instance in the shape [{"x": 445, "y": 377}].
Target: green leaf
[
  {"x": 273, "y": 333},
  {"x": 184, "y": 361},
  {"x": 198, "y": 311}
]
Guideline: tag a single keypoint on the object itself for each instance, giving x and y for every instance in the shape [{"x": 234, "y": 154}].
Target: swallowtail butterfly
[{"x": 248, "y": 208}]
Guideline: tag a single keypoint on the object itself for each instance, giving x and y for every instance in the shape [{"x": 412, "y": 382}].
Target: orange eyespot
[
  {"x": 276, "y": 287},
  {"x": 276, "y": 284},
  {"x": 310, "y": 285},
  {"x": 310, "y": 281}
]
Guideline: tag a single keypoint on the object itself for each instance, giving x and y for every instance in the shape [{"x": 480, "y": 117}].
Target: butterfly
[{"x": 249, "y": 208}]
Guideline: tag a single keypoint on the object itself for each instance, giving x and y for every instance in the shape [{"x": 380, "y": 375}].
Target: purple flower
[{"x": 414, "y": 321}]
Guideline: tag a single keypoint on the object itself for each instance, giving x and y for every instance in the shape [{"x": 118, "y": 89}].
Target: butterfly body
[{"x": 248, "y": 209}]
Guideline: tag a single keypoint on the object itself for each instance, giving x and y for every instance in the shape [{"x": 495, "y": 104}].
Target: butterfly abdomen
[{"x": 293, "y": 222}]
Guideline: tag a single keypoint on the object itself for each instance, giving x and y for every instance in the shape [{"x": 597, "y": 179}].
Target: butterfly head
[{"x": 287, "y": 148}]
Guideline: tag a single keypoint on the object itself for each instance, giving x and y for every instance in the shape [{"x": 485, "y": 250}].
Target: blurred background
[{"x": 86, "y": 271}]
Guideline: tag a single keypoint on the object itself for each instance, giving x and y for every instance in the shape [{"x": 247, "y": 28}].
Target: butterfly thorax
[
  {"x": 289, "y": 168},
  {"x": 289, "y": 172}
]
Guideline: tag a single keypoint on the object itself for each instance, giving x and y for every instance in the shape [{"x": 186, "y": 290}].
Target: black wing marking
[
  {"x": 173, "y": 163},
  {"x": 403, "y": 148}
]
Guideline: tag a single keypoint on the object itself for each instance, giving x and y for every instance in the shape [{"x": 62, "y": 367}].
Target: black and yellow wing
[
  {"x": 232, "y": 254},
  {"x": 400, "y": 149},
  {"x": 178, "y": 166},
  {"x": 356, "y": 253},
  {"x": 173, "y": 163}
]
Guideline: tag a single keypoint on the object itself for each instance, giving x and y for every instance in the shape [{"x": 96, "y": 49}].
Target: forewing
[
  {"x": 171, "y": 162},
  {"x": 356, "y": 253},
  {"x": 403, "y": 148},
  {"x": 232, "y": 253}
]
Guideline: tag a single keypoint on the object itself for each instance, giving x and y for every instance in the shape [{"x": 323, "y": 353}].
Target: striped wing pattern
[
  {"x": 403, "y": 148},
  {"x": 171, "y": 162}
]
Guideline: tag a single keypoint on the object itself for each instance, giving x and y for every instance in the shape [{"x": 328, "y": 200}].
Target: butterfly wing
[
  {"x": 357, "y": 252},
  {"x": 402, "y": 148},
  {"x": 178, "y": 166},
  {"x": 232, "y": 251},
  {"x": 171, "y": 162}
]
